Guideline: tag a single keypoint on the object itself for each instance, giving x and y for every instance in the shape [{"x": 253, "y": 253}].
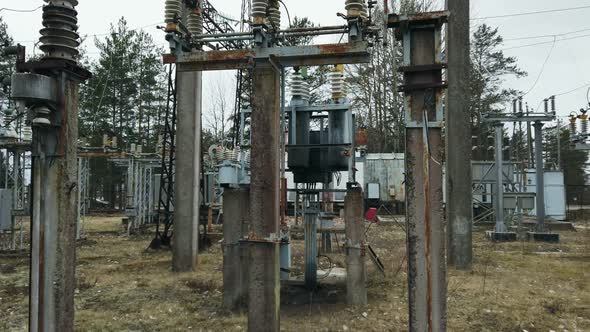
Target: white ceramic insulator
[
  {"x": 364, "y": 12},
  {"x": 354, "y": 8},
  {"x": 573, "y": 128},
  {"x": 584, "y": 126},
  {"x": 337, "y": 82},
  {"x": 173, "y": 9},
  {"x": 259, "y": 8},
  {"x": 299, "y": 87},
  {"x": 194, "y": 23},
  {"x": 274, "y": 16},
  {"x": 27, "y": 134}
]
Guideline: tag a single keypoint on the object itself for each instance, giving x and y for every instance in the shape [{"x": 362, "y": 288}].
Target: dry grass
[{"x": 122, "y": 287}]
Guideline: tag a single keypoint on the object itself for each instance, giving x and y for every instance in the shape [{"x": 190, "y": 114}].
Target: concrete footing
[
  {"x": 501, "y": 236},
  {"x": 236, "y": 212},
  {"x": 543, "y": 237},
  {"x": 356, "y": 275}
]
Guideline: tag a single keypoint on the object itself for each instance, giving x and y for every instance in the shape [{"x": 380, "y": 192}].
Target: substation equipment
[
  {"x": 48, "y": 88},
  {"x": 15, "y": 147},
  {"x": 579, "y": 134},
  {"x": 320, "y": 145},
  {"x": 140, "y": 187},
  {"x": 265, "y": 52},
  {"x": 212, "y": 22},
  {"x": 520, "y": 200}
]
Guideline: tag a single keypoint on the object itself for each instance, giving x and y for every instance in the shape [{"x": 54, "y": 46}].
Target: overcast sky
[{"x": 567, "y": 62}]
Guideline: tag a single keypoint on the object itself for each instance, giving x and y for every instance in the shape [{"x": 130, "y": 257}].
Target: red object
[{"x": 371, "y": 215}]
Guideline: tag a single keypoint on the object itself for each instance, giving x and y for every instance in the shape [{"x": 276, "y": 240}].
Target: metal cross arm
[
  {"x": 519, "y": 117},
  {"x": 289, "y": 56}
]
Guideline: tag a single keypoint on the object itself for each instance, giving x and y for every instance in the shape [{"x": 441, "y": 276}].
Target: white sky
[{"x": 568, "y": 66}]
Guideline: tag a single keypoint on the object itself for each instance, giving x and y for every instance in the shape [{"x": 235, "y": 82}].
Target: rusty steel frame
[
  {"x": 424, "y": 93},
  {"x": 290, "y": 56}
]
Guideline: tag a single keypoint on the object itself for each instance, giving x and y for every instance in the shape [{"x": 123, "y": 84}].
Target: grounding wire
[{"x": 21, "y": 10}]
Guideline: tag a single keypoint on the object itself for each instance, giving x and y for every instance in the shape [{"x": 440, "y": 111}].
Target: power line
[
  {"x": 544, "y": 43},
  {"x": 548, "y": 36},
  {"x": 20, "y": 10},
  {"x": 531, "y": 13},
  {"x": 542, "y": 67}
]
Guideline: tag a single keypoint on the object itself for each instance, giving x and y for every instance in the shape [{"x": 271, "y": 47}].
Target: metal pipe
[
  {"x": 311, "y": 245},
  {"x": 318, "y": 33},
  {"x": 540, "y": 174},
  {"x": 500, "y": 226},
  {"x": 35, "y": 249},
  {"x": 229, "y": 34},
  {"x": 220, "y": 40},
  {"x": 324, "y": 28}
]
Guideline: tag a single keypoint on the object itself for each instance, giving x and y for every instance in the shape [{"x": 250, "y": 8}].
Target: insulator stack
[
  {"x": 247, "y": 159},
  {"x": 194, "y": 23},
  {"x": 173, "y": 9},
  {"x": 584, "y": 120},
  {"x": 230, "y": 155},
  {"x": 259, "y": 8},
  {"x": 7, "y": 117},
  {"x": 336, "y": 77},
  {"x": 299, "y": 87},
  {"x": 274, "y": 14},
  {"x": 60, "y": 38},
  {"x": 219, "y": 153},
  {"x": 573, "y": 126},
  {"x": 354, "y": 8},
  {"x": 27, "y": 134},
  {"x": 365, "y": 12}
]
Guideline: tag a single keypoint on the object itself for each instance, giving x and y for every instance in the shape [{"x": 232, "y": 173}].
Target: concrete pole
[
  {"x": 236, "y": 212},
  {"x": 53, "y": 245},
  {"x": 264, "y": 287},
  {"x": 540, "y": 174},
  {"x": 459, "y": 206},
  {"x": 356, "y": 275},
  {"x": 424, "y": 213},
  {"x": 500, "y": 226},
  {"x": 188, "y": 164}
]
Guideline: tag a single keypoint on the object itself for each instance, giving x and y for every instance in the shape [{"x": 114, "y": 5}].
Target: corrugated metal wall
[{"x": 387, "y": 169}]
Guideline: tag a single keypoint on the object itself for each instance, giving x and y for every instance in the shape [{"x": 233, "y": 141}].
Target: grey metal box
[{"x": 5, "y": 209}]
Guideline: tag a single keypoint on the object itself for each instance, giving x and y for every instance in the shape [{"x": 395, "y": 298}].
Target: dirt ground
[{"x": 122, "y": 287}]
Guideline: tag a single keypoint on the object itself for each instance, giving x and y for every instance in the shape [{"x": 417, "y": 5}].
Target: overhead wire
[
  {"x": 531, "y": 13},
  {"x": 542, "y": 68},
  {"x": 543, "y": 43}
]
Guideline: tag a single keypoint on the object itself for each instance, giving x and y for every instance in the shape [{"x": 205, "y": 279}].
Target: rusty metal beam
[{"x": 290, "y": 56}]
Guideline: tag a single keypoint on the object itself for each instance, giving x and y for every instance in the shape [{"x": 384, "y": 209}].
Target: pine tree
[
  {"x": 123, "y": 99},
  {"x": 490, "y": 67}
]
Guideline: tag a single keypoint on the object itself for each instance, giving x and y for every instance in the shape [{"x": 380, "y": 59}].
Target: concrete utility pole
[
  {"x": 236, "y": 215},
  {"x": 188, "y": 164},
  {"x": 499, "y": 198},
  {"x": 424, "y": 91},
  {"x": 459, "y": 206},
  {"x": 264, "y": 290},
  {"x": 189, "y": 85},
  {"x": 356, "y": 275},
  {"x": 49, "y": 89}
]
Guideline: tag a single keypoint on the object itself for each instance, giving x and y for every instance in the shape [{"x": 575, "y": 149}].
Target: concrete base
[
  {"x": 543, "y": 237},
  {"x": 501, "y": 236}
]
